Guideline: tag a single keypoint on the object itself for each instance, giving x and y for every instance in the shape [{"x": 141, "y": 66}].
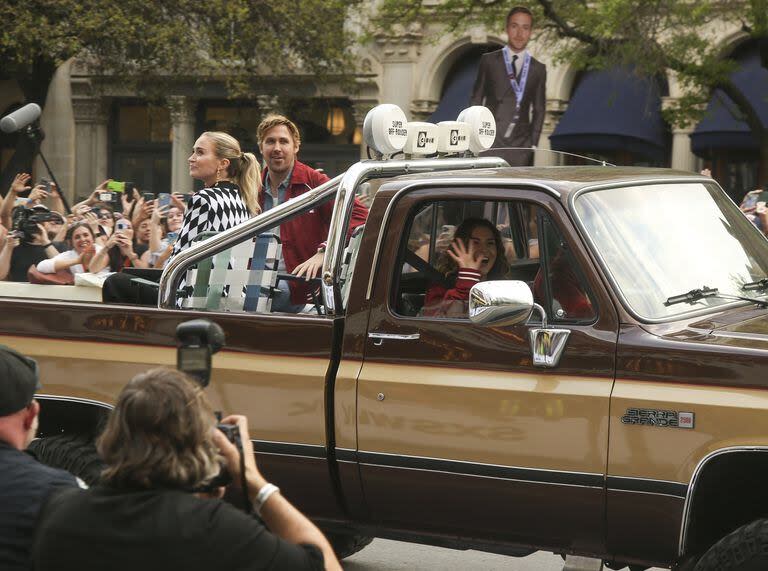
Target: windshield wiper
[
  {"x": 701, "y": 293},
  {"x": 756, "y": 285},
  {"x": 692, "y": 296}
]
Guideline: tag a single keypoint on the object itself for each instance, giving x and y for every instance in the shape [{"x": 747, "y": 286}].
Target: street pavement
[{"x": 386, "y": 555}]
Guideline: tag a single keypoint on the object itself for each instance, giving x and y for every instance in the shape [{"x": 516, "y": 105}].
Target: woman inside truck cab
[{"x": 476, "y": 254}]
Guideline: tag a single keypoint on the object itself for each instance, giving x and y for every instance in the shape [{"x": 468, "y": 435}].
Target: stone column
[
  {"x": 183, "y": 138},
  {"x": 399, "y": 50},
  {"x": 90, "y": 114},
  {"x": 682, "y": 156},
  {"x": 542, "y": 158},
  {"x": 59, "y": 144},
  {"x": 421, "y": 109}
]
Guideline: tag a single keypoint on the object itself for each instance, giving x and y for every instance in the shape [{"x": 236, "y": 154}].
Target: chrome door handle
[{"x": 378, "y": 338}]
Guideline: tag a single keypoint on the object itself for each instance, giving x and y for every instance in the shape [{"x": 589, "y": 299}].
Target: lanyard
[{"x": 518, "y": 85}]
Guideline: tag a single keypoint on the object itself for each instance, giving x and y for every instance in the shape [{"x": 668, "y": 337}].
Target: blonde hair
[
  {"x": 272, "y": 120},
  {"x": 159, "y": 434},
  {"x": 243, "y": 168}
]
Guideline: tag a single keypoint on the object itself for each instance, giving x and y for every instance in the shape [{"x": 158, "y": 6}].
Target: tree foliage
[
  {"x": 238, "y": 41},
  {"x": 250, "y": 46},
  {"x": 652, "y": 36}
]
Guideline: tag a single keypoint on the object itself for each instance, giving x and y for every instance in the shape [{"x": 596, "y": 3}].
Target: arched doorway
[{"x": 457, "y": 88}]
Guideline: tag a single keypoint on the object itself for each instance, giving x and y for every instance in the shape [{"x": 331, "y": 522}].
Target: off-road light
[
  {"x": 452, "y": 137},
  {"x": 422, "y": 139},
  {"x": 385, "y": 129},
  {"x": 482, "y": 128}
]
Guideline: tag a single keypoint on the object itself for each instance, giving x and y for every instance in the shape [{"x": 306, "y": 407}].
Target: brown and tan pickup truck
[{"x": 607, "y": 399}]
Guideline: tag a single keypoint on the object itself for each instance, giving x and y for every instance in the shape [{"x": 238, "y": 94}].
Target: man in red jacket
[{"x": 303, "y": 237}]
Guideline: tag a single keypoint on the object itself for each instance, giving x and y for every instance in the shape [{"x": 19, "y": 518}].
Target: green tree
[
  {"x": 248, "y": 44},
  {"x": 652, "y": 36}
]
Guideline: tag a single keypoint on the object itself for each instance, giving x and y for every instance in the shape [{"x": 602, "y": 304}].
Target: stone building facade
[{"x": 95, "y": 135}]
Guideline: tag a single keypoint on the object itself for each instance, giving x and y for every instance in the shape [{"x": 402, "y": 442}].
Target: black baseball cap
[{"x": 19, "y": 380}]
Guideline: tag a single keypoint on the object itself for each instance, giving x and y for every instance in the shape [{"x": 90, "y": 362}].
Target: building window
[
  {"x": 141, "y": 145},
  {"x": 327, "y": 128},
  {"x": 239, "y": 119}
]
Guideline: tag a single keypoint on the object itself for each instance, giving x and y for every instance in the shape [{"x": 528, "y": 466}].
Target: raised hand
[
  {"x": 19, "y": 183},
  {"x": 464, "y": 255},
  {"x": 38, "y": 194},
  {"x": 177, "y": 200},
  {"x": 87, "y": 256},
  {"x": 125, "y": 245}
]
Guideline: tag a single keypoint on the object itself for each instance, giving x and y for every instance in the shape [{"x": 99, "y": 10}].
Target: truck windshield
[{"x": 659, "y": 240}]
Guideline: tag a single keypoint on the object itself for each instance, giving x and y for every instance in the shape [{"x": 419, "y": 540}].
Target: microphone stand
[{"x": 35, "y": 133}]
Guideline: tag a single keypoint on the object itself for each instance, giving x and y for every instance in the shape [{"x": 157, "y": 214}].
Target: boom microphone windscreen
[{"x": 20, "y": 118}]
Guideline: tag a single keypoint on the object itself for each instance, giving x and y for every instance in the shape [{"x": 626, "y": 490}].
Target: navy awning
[
  {"x": 613, "y": 110},
  {"x": 457, "y": 89},
  {"x": 723, "y": 126}
]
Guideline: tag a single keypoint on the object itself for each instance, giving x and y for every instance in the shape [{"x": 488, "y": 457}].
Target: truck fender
[{"x": 726, "y": 491}]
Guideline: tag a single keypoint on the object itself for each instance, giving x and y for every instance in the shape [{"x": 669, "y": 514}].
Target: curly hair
[
  {"x": 159, "y": 434},
  {"x": 500, "y": 269}
]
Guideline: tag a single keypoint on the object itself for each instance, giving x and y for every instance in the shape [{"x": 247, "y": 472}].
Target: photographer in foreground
[
  {"x": 155, "y": 509},
  {"x": 25, "y": 483}
]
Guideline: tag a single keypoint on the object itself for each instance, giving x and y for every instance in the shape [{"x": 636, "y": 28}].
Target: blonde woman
[{"x": 232, "y": 182}]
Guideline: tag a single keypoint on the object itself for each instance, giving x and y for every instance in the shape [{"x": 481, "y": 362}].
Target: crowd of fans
[{"x": 40, "y": 243}]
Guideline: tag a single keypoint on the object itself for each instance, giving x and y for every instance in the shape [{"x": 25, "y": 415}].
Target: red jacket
[
  {"x": 442, "y": 301},
  {"x": 303, "y": 235}
]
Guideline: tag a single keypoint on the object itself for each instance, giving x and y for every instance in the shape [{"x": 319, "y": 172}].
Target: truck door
[
  {"x": 458, "y": 433},
  {"x": 273, "y": 368}
]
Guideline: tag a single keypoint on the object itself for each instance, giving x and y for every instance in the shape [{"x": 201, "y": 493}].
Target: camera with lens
[
  {"x": 25, "y": 221},
  {"x": 198, "y": 340},
  {"x": 232, "y": 432}
]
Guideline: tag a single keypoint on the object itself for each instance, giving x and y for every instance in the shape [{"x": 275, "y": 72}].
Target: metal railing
[{"x": 343, "y": 186}]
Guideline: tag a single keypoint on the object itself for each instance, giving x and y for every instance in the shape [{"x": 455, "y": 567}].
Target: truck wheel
[
  {"x": 74, "y": 453},
  {"x": 745, "y": 549},
  {"x": 346, "y": 544}
]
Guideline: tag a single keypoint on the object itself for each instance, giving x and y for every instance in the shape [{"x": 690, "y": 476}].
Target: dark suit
[{"x": 493, "y": 89}]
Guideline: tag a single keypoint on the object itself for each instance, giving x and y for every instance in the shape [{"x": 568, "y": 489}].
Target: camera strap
[{"x": 248, "y": 505}]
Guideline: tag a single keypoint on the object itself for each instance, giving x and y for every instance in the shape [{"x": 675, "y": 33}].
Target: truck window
[
  {"x": 559, "y": 286},
  {"x": 430, "y": 284}
]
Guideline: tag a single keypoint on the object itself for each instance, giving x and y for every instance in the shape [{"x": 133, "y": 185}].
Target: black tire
[
  {"x": 745, "y": 549},
  {"x": 71, "y": 452},
  {"x": 346, "y": 544}
]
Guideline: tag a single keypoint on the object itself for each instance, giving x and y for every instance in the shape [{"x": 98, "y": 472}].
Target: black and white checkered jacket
[{"x": 212, "y": 209}]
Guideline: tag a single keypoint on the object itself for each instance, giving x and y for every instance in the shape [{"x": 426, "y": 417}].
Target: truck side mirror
[
  {"x": 510, "y": 302},
  {"x": 198, "y": 340},
  {"x": 499, "y": 303}
]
